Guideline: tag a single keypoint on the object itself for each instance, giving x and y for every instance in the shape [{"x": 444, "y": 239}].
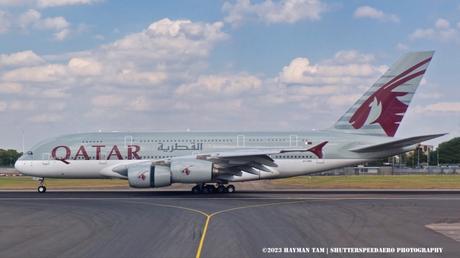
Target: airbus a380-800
[{"x": 212, "y": 160}]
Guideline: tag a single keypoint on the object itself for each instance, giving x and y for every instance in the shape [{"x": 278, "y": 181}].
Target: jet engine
[
  {"x": 146, "y": 175},
  {"x": 191, "y": 170},
  {"x": 180, "y": 170}
]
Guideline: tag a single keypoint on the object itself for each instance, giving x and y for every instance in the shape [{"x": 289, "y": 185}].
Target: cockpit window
[{"x": 30, "y": 153}]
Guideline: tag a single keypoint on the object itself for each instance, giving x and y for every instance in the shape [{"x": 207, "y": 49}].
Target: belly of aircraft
[{"x": 102, "y": 168}]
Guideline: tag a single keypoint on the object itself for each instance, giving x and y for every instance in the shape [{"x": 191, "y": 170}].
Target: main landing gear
[
  {"x": 210, "y": 188},
  {"x": 41, "y": 187}
]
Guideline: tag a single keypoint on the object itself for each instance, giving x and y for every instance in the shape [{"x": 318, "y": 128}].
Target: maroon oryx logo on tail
[{"x": 383, "y": 106}]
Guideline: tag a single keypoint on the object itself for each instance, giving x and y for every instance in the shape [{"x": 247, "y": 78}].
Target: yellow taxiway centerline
[
  {"x": 203, "y": 236},
  {"x": 208, "y": 219}
]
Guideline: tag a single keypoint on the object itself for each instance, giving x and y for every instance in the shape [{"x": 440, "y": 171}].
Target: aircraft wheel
[
  {"x": 210, "y": 188},
  {"x": 41, "y": 189},
  {"x": 221, "y": 189},
  {"x": 230, "y": 188},
  {"x": 196, "y": 189}
]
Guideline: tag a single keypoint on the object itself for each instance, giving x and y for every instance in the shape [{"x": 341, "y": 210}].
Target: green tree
[
  {"x": 449, "y": 152},
  {"x": 8, "y": 157}
]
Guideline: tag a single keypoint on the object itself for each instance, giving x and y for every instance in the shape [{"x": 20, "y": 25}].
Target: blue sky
[{"x": 86, "y": 65}]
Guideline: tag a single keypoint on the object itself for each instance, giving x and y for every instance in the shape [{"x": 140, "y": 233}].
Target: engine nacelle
[
  {"x": 145, "y": 175},
  {"x": 190, "y": 170}
]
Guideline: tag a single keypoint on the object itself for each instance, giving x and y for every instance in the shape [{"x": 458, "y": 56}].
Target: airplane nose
[
  {"x": 24, "y": 167},
  {"x": 21, "y": 166},
  {"x": 18, "y": 165}
]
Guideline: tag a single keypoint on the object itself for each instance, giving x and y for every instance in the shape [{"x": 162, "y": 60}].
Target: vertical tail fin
[{"x": 380, "y": 110}]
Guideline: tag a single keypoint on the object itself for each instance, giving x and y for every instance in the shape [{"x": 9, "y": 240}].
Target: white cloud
[
  {"x": 443, "y": 107},
  {"x": 45, "y": 118},
  {"x": 351, "y": 56},
  {"x": 301, "y": 71},
  {"x": 336, "y": 81},
  {"x": 169, "y": 39},
  {"x": 343, "y": 100},
  {"x": 45, "y": 73},
  {"x": 442, "y": 31},
  {"x": 107, "y": 101},
  {"x": 23, "y": 58},
  {"x": 55, "y": 23},
  {"x": 402, "y": 46},
  {"x": 46, "y": 3},
  {"x": 3, "y": 106},
  {"x": 33, "y": 19},
  {"x": 15, "y": 2},
  {"x": 85, "y": 67},
  {"x": 138, "y": 59},
  {"x": 373, "y": 13},
  {"x": 127, "y": 76},
  {"x": 20, "y": 105},
  {"x": 422, "y": 33},
  {"x": 5, "y": 21},
  {"x": 312, "y": 91},
  {"x": 54, "y": 3},
  {"x": 10, "y": 87},
  {"x": 284, "y": 11},
  {"x": 442, "y": 24},
  {"x": 56, "y": 93},
  {"x": 220, "y": 85},
  {"x": 56, "y": 106},
  {"x": 61, "y": 35},
  {"x": 28, "y": 18},
  {"x": 140, "y": 103}
]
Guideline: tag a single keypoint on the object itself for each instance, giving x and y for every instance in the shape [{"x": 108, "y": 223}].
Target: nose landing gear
[
  {"x": 209, "y": 188},
  {"x": 41, "y": 187}
]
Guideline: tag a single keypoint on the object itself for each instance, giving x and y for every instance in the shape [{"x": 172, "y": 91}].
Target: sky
[{"x": 69, "y": 66}]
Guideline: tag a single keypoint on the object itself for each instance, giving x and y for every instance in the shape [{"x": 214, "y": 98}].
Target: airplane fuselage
[{"x": 95, "y": 155}]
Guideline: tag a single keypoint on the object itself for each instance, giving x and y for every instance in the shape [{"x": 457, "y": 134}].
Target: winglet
[{"x": 318, "y": 149}]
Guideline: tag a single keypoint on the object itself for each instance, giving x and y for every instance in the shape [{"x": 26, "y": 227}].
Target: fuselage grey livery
[{"x": 364, "y": 133}]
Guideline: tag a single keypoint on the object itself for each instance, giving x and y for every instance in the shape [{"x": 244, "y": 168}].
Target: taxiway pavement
[{"x": 242, "y": 224}]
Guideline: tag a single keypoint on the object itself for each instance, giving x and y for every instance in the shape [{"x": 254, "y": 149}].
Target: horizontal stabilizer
[{"x": 397, "y": 144}]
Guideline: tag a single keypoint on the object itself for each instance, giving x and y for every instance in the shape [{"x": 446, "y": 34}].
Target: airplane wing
[
  {"x": 253, "y": 160},
  {"x": 233, "y": 162},
  {"x": 396, "y": 144}
]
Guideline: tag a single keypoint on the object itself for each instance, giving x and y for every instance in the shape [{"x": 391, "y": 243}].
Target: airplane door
[
  {"x": 293, "y": 140},
  {"x": 46, "y": 158},
  {"x": 240, "y": 141}
]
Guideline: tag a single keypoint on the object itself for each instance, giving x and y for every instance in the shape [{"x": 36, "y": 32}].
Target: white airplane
[{"x": 212, "y": 160}]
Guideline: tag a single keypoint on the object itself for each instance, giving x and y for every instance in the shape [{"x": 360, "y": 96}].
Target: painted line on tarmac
[
  {"x": 200, "y": 212},
  {"x": 209, "y": 216}
]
